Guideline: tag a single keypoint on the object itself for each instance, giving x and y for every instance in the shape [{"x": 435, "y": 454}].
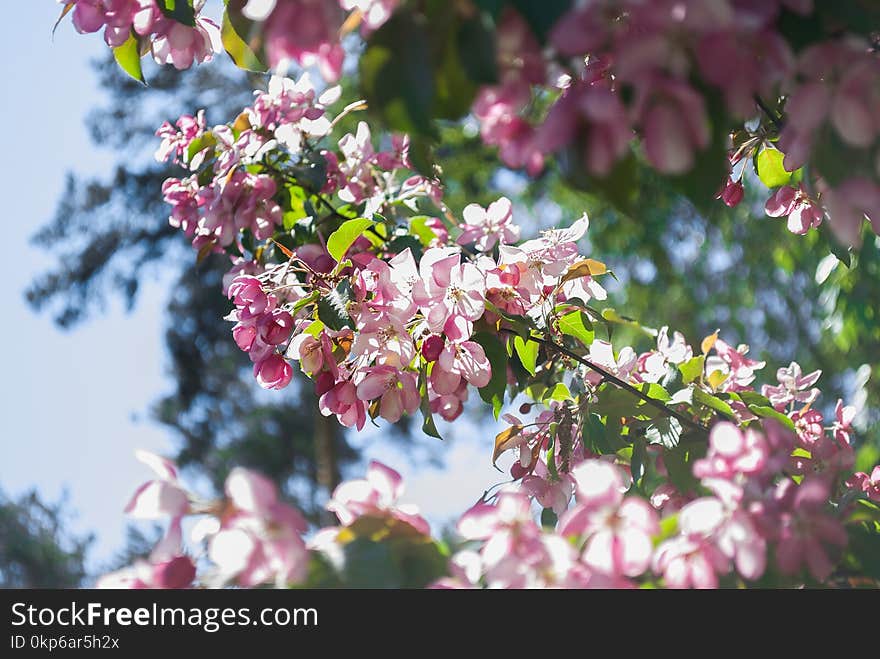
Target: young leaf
[
  {"x": 768, "y": 164},
  {"x": 709, "y": 342},
  {"x": 527, "y": 351},
  {"x": 344, "y": 237},
  {"x": 494, "y": 391},
  {"x": 237, "y": 47},
  {"x": 584, "y": 268},
  {"x": 665, "y": 431},
  {"x": 180, "y": 10},
  {"x": 428, "y": 425},
  {"x": 505, "y": 440},
  {"x": 768, "y": 412},
  {"x": 712, "y": 402},
  {"x": 692, "y": 369},
  {"x": 128, "y": 57},
  {"x": 558, "y": 392},
  {"x": 577, "y": 325}
]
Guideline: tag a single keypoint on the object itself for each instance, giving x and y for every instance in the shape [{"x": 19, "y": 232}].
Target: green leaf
[
  {"x": 768, "y": 165},
  {"x": 296, "y": 207},
  {"x": 494, "y": 391},
  {"x": 332, "y": 307},
  {"x": 527, "y": 351},
  {"x": 199, "y": 144},
  {"x": 768, "y": 412},
  {"x": 655, "y": 391},
  {"x": 577, "y": 324},
  {"x": 179, "y": 10},
  {"x": 128, "y": 57},
  {"x": 692, "y": 369},
  {"x": 638, "y": 462},
  {"x": 558, "y": 392},
  {"x": 428, "y": 425},
  {"x": 712, "y": 402},
  {"x": 242, "y": 53},
  {"x": 678, "y": 462},
  {"x": 753, "y": 398},
  {"x": 418, "y": 226},
  {"x": 340, "y": 240},
  {"x": 665, "y": 431}
]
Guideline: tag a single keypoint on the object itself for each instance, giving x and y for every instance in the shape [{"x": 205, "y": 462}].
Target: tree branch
[
  {"x": 684, "y": 419},
  {"x": 774, "y": 118}
]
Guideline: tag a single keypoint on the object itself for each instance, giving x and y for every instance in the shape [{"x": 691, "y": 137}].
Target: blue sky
[{"x": 73, "y": 403}]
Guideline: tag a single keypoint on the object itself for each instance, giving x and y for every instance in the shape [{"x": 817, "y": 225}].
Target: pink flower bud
[
  {"x": 273, "y": 372},
  {"x": 432, "y": 347}
]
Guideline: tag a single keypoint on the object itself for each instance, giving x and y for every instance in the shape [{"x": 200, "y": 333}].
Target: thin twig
[
  {"x": 620, "y": 383},
  {"x": 774, "y": 118}
]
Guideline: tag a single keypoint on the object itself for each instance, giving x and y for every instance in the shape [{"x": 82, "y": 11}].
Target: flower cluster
[
  {"x": 170, "y": 41},
  {"x": 250, "y": 537},
  {"x": 663, "y": 73},
  {"x": 650, "y": 54}
]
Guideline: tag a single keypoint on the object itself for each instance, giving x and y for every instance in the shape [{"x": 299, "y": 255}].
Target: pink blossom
[
  {"x": 115, "y": 16},
  {"x": 181, "y": 45},
  {"x": 674, "y": 125},
  {"x": 183, "y": 197},
  {"x": 161, "y": 497},
  {"x": 602, "y": 354},
  {"x": 306, "y": 31},
  {"x": 733, "y": 363},
  {"x": 687, "y": 561},
  {"x": 870, "y": 485},
  {"x": 275, "y": 327},
  {"x": 554, "y": 493},
  {"x": 806, "y": 534},
  {"x": 396, "y": 390},
  {"x": 342, "y": 401},
  {"x": 676, "y": 351},
  {"x": 376, "y": 495},
  {"x": 843, "y": 418},
  {"x": 618, "y": 529},
  {"x": 487, "y": 226},
  {"x": 803, "y": 213},
  {"x": 667, "y": 499},
  {"x": 274, "y": 372},
  {"x": 512, "y": 541},
  {"x": 590, "y": 115},
  {"x": 431, "y": 348},
  {"x": 448, "y": 289},
  {"x": 388, "y": 344},
  {"x": 374, "y": 13},
  {"x": 176, "y": 139},
  {"x": 793, "y": 387},
  {"x": 733, "y": 456},
  {"x": 467, "y": 360},
  {"x": 849, "y": 204},
  {"x": 166, "y": 567},
  {"x": 260, "y": 539}
]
